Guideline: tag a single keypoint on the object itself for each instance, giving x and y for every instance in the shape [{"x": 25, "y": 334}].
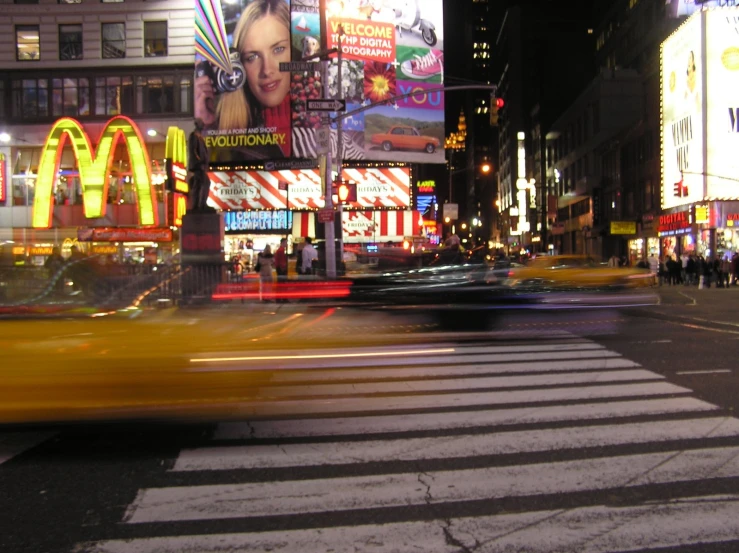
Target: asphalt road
[{"x": 603, "y": 431}]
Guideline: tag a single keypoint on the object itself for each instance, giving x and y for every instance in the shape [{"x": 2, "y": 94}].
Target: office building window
[
  {"x": 155, "y": 95},
  {"x": 27, "y": 44},
  {"x": 185, "y": 94},
  {"x": 70, "y": 42},
  {"x": 155, "y": 38},
  {"x": 30, "y": 98},
  {"x": 70, "y": 97},
  {"x": 68, "y": 1},
  {"x": 111, "y": 1},
  {"x": 114, "y": 96},
  {"x": 114, "y": 40},
  {"x": 26, "y": 1}
]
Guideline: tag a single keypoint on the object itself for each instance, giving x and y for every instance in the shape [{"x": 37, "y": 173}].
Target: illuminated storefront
[
  {"x": 700, "y": 135},
  {"x": 72, "y": 185},
  {"x": 380, "y": 213}
]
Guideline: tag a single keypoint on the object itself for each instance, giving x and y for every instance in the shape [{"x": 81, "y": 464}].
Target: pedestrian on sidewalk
[
  {"x": 265, "y": 265},
  {"x": 725, "y": 272},
  {"x": 281, "y": 268},
  {"x": 308, "y": 256}
]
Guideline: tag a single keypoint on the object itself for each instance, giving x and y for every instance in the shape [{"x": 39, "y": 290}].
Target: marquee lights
[{"x": 94, "y": 166}]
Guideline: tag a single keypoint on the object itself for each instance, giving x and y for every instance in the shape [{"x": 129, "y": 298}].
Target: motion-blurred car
[
  {"x": 401, "y": 137},
  {"x": 575, "y": 272},
  {"x": 501, "y": 270}
]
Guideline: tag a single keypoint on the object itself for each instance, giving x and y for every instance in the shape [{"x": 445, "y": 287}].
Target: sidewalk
[{"x": 714, "y": 307}]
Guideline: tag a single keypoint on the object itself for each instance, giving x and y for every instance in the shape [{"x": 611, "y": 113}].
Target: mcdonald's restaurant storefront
[
  {"x": 102, "y": 188},
  {"x": 109, "y": 200}
]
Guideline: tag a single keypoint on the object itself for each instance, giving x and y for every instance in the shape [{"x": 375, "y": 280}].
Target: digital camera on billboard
[{"x": 223, "y": 81}]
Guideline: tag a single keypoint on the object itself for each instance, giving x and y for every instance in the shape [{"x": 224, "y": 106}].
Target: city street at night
[{"x": 582, "y": 431}]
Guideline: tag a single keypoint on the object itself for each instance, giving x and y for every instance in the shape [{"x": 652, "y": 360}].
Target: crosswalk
[{"x": 554, "y": 445}]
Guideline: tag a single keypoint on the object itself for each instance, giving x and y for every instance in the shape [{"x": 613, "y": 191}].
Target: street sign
[
  {"x": 323, "y": 140},
  {"x": 326, "y": 104},
  {"x": 282, "y": 164},
  {"x": 326, "y": 215},
  {"x": 298, "y": 66},
  {"x": 451, "y": 211}
]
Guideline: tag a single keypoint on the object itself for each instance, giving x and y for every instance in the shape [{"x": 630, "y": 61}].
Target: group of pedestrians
[
  {"x": 268, "y": 264},
  {"x": 697, "y": 270}
]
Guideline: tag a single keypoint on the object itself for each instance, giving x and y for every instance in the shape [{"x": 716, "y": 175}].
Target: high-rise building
[
  {"x": 542, "y": 58},
  {"x": 473, "y": 190},
  {"x": 628, "y": 34}
]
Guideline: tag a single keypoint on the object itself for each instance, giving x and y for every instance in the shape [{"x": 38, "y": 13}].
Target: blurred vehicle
[
  {"x": 401, "y": 137},
  {"x": 576, "y": 272},
  {"x": 501, "y": 270}
]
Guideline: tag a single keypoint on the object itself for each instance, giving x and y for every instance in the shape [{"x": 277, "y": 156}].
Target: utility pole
[{"x": 339, "y": 153}]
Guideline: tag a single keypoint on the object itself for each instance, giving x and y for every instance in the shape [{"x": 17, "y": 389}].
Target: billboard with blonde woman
[{"x": 253, "y": 111}]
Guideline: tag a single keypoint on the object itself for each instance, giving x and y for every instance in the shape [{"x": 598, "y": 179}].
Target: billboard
[
  {"x": 94, "y": 166},
  {"x": 680, "y": 8},
  {"x": 722, "y": 108},
  {"x": 300, "y": 189},
  {"x": 682, "y": 75},
  {"x": 254, "y": 111}
]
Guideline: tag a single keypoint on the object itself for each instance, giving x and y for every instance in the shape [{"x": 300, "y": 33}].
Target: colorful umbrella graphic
[{"x": 210, "y": 34}]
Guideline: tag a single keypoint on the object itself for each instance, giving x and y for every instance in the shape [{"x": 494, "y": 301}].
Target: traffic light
[
  {"x": 346, "y": 191},
  {"x": 496, "y": 104}
]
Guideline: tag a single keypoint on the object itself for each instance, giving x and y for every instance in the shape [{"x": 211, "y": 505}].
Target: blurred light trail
[{"x": 324, "y": 355}]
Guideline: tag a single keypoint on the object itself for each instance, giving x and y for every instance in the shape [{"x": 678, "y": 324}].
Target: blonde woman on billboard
[
  {"x": 691, "y": 90},
  {"x": 261, "y": 40}
]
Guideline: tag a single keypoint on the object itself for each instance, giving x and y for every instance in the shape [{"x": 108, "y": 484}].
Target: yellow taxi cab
[{"x": 576, "y": 272}]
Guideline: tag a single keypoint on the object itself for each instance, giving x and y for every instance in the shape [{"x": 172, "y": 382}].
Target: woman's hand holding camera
[{"x": 205, "y": 100}]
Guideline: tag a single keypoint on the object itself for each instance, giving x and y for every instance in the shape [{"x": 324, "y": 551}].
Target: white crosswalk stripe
[{"x": 530, "y": 423}]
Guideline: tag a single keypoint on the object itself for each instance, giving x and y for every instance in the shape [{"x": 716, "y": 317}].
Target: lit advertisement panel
[
  {"x": 244, "y": 221},
  {"x": 253, "y": 111},
  {"x": 679, "y": 8},
  {"x": 722, "y": 124},
  {"x": 381, "y": 187},
  {"x": 682, "y": 116}
]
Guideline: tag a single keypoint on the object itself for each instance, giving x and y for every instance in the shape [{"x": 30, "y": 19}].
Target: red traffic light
[
  {"x": 343, "y": 192},
  {"x": 499, "y": 103},
  {"x": 346, "y": 191}
]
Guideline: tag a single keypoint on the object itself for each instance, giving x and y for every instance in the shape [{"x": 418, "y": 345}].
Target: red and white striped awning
[
  {"x": 365, "y": 226},
  {"x": 300, "y": 189},
  {"x": 304, "y": 224}
]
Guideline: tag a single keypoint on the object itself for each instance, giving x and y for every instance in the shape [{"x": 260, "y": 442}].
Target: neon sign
[
  {"x": 94, "y": 169},
  {"x": 175, "y": 151},
  {"x": 427, "y": 187}
]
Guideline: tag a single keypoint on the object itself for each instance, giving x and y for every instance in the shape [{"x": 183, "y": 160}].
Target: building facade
[
  {"x": 90, "y": 62},
  {"x": 95, "y": 87},
  {"x": 582, "y": 169}
]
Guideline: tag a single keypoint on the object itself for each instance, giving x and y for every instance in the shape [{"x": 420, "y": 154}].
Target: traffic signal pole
[
  {"x": 339, "y": 153},
  {"x": 328, "y": 188}
]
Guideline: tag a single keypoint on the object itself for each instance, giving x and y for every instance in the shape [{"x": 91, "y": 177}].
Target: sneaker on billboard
[{"x": 424, "y": 67}]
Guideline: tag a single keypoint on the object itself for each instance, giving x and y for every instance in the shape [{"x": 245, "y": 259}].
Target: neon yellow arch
[
  {"x": 175, "y": 150},
  {"x": 94, "y": 169}
]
